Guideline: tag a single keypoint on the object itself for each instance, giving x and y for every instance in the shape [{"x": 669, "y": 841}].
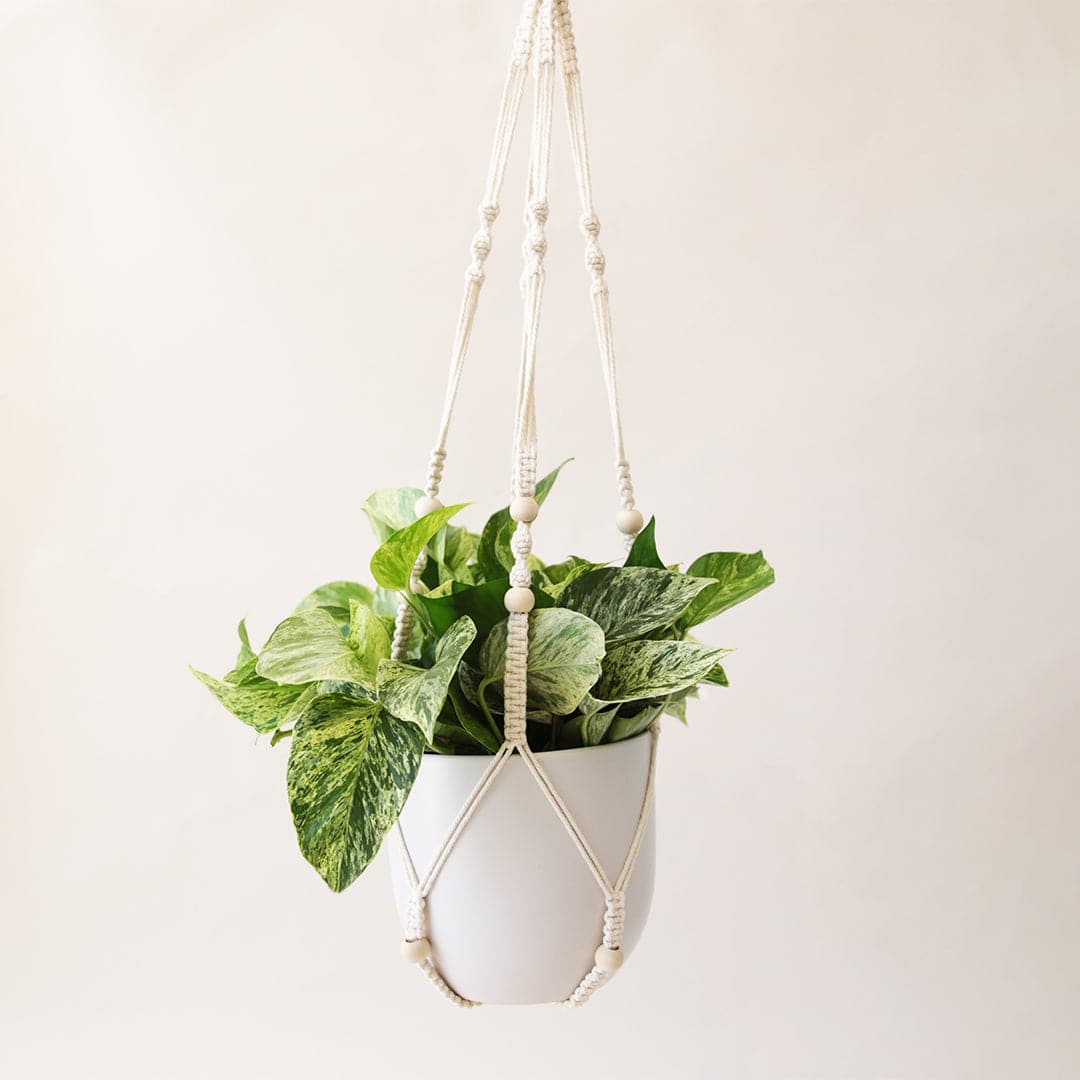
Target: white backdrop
[{"x": 843, "y": 245}]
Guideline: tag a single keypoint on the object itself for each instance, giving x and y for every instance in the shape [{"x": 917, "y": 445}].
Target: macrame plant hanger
[{"x": 544, "y": 32}]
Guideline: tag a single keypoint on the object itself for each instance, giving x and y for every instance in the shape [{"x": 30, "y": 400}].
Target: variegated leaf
[
  {"x": 738, "y": 576},
  {"x": 391, "y": 509},
  {"x": 369, "y": 640},
  {"x": 246, "y": 652},
  {"x": 628, "y": 601},
  {"x": 557, "y": 576},
  {"x": 308, "y": 647},
  {"x": 392, "y": 563},
  {"x": 351, "y": 767},
  {"x": 417, "y": 695},
  {"x": 565, "y": 650},
  {"x": 259, "y": 703},
  {"x": 649, "y": 669},
  {"x": 717, "y": 676},
  {"x": 335, "y": 594}
]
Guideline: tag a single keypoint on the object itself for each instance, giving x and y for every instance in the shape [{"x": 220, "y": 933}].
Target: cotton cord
[{"x": 544, "y": 33}]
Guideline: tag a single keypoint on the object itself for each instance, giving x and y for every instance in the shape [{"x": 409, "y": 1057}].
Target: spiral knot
[
  {"x": 489, "y": 212},
  {"x": 614, "y": 917},
  {"x": 594, "y": 259},
  {"x": 538, "y": 211},
  {"x": 414, "y": 915},
  {"x": 590, "y": 225}
]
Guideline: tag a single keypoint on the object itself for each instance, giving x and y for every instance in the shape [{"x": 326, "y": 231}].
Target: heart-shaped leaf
[
  {"x": 417, "y": 695},
  {"x": 649, "y": 669},
  {"x": 738, "y": 576},
  {"x": 392, "y": 563},
  {"x": 565, "y": 650},
  {"x": 628, "y": 601},
  {"x": 335, "y": 594},
  {"x": 259, "y": 703},
  {"x": 368, "y": 639},
  {"x": 391, "y": 509},
  {"x": 308, "y": 647},
  {"x": 351, "y": 768}
]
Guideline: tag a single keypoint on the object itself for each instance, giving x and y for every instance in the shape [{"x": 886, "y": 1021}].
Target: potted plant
[{"x": 611, "y": 650}]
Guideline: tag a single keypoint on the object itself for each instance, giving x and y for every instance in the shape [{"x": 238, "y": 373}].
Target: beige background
[{"x": 843, "y": 243}]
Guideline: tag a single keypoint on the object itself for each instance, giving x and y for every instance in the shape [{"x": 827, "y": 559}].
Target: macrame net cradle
[{"x": 544, "y": 41}]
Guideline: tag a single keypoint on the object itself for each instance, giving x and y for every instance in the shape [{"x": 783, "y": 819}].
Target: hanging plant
[
  {"x": 610, "y": 651},
  {"x": 472, "y": 683}
]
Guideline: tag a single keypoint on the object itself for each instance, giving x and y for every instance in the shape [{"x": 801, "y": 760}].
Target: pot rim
[{"x": 432, "y": 755}]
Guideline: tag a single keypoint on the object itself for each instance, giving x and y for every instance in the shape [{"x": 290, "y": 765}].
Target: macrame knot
[
  {"x": 414, "y": 915},
  {"x": 565, "y": 29},
  {"x": 590, "y": 225},
  {"x": 594, "y": 259},
  {"x": 489, "y": 212},
  {"x": 481, "y": 245},
  {"x": 538, "y": 211},
  {"x": 435, "y": 471},
  {"x": 515, "y": 680},
  {"x": 614, "y": 916},
  {"x": 626, "y": 486}
]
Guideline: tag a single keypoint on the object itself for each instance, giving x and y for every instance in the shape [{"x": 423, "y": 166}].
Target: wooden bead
[
  {"x": 608, "y": 960},
  {"x": 524, "y": 508},
  {"x": 417, "y": 951},
  {"x": 629, "y": 522},
  {"x": 426, "y": 504},
  {"x": 519, "y": 599}
]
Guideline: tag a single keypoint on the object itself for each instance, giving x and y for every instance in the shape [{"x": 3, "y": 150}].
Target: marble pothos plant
[{"x": 610, "y": 650}]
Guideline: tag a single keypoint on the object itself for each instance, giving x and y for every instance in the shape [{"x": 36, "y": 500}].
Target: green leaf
[
  {"x": 630, "y": 601},
  {"x": 643, "y": 551},
  {"x": 494, "y": 555},
  {"x": 392, "y": 563},
  {"x": 308, "y": 647},
  {"x": 246, "y": 652},
  {"x": 565, "y": 650},
  {"x": 716, "y": 676},
  {"x": 390, "y": 510},
  {"x": 738, "y": 577},
  {"x": 259, "y": 703},
  {"x": 335, "y": 594},
  {"x": 417, "y": 695},
  {"x": 351, "y": 767},
  {"x": 452, "y": 550},
  {"x": 368, "y": 638},
  {"x": 557, "y": 576},
  {"x": 626, "y": 727},
  {"x": 481, "y": 603},
  {"x": 677, "y": 708},
  {"x": 648, "y": 669},
  {"x": 476, "y": 726},
  {"x": 595, "y": 726}
]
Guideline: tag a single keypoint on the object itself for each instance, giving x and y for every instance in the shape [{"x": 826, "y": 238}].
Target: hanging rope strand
[
  {"x": 629, "y": 520},
  {"x": 519, "y": 598},
  {"x": 509, "y": 109}
]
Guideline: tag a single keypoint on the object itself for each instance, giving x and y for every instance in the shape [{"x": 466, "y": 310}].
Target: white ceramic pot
[{"x": 515, "y": 915}]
